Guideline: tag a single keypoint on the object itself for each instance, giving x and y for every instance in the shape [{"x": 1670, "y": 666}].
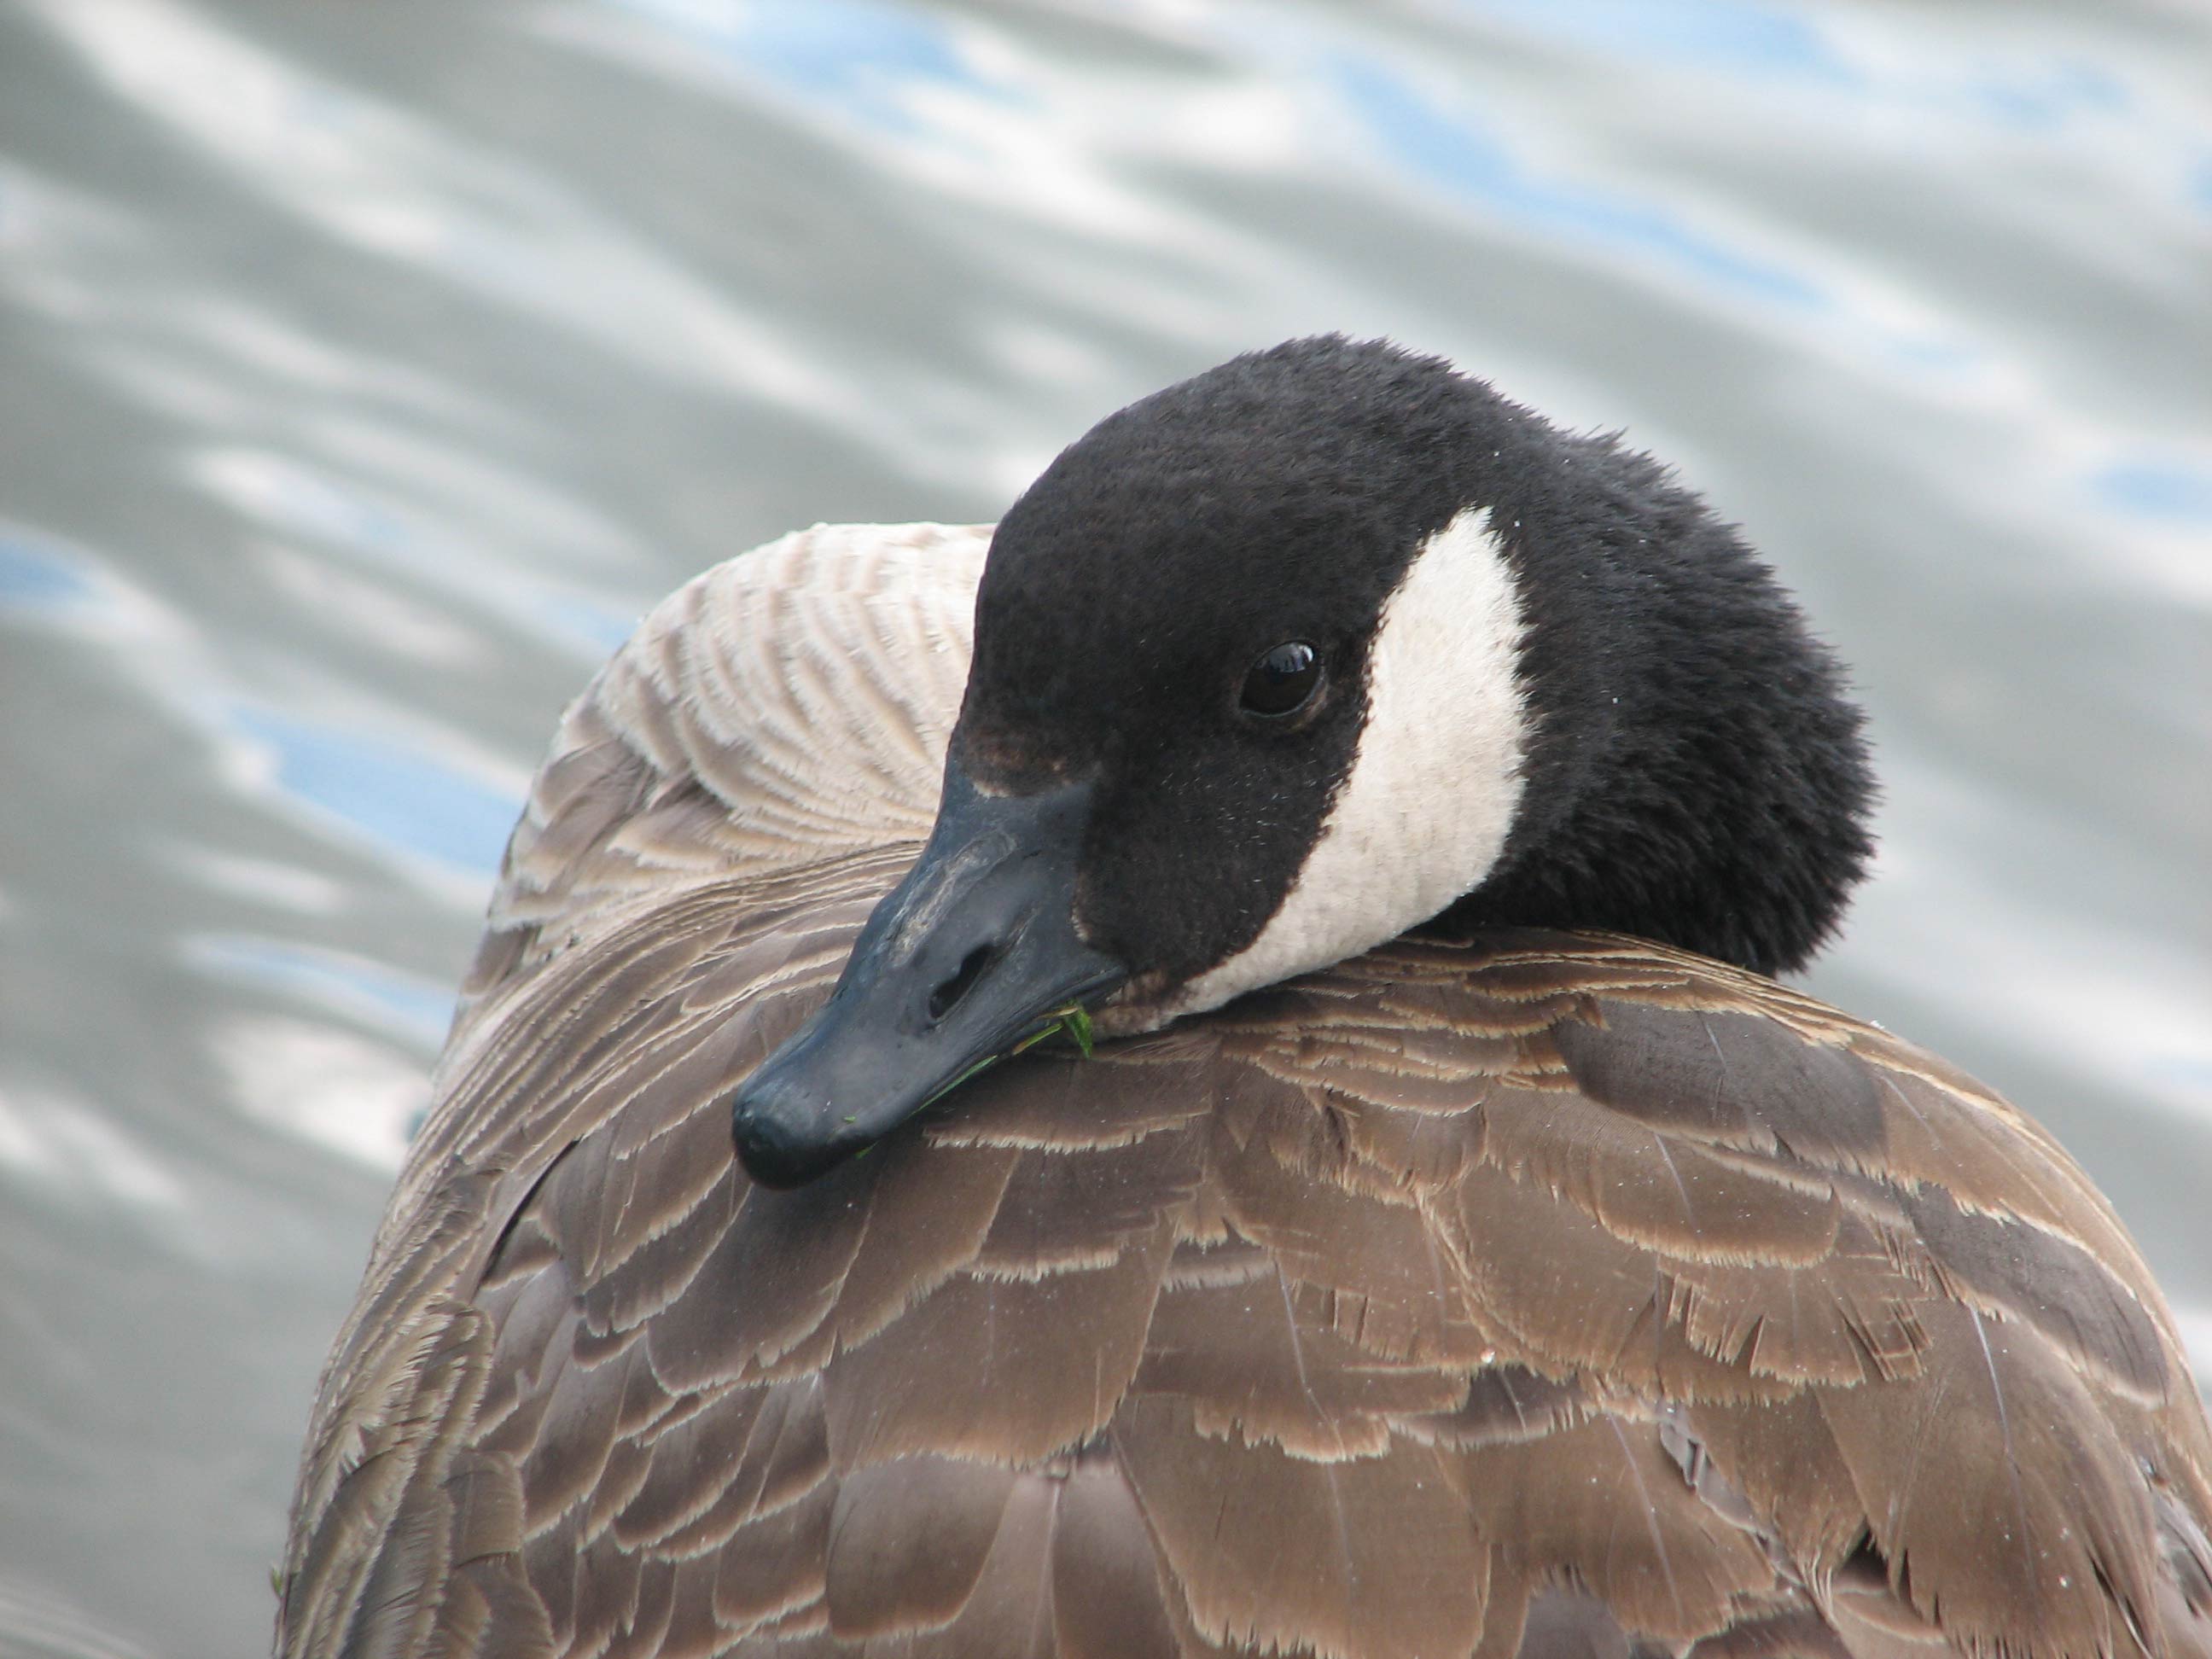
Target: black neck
[{"x": 1697, "y": 775}]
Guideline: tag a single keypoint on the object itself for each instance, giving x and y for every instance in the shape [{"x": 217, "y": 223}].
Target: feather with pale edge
[{"x": 1555, "y": 1294}]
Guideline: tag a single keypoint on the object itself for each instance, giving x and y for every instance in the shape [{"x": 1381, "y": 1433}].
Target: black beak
[{"x": 974, "y": 954}]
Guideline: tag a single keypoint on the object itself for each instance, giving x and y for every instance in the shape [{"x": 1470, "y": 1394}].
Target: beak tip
[{"x": 774, "y": 1152}]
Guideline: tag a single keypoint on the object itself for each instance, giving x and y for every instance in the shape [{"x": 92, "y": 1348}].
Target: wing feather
[{"x": 1532, "y": 1294}]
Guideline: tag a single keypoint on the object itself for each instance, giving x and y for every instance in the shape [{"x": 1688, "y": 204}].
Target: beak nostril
[{"x": 947, "y": 996}]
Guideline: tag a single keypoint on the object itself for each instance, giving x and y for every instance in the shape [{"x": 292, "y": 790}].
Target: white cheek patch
[{"x": 1434, "y": 785}]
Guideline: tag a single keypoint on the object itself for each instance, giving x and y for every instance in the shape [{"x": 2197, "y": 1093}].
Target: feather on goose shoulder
[{"x": 1459, "y": 1247}]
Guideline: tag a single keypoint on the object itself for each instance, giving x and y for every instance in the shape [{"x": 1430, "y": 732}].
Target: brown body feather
[{"x": 1551, "y": 1294}]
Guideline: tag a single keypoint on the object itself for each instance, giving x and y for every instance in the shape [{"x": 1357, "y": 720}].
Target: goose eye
[{"x": 1283, "y": 681}]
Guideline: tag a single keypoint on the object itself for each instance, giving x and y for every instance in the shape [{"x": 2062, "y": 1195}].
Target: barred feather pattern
[{"x": 1554, "y": 1294}]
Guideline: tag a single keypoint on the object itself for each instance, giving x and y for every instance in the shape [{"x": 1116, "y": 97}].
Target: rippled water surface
[{"x": 365, "y": 370}]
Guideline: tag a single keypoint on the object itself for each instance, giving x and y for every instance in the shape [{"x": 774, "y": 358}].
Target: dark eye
[{"x": 1283, "y": 681}]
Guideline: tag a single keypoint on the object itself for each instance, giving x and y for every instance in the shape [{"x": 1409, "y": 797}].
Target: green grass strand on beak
[{"x": 1072, "y": 1022}]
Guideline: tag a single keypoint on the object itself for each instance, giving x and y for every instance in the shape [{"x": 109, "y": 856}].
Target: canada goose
[{"x": 1523, "y": 1272}]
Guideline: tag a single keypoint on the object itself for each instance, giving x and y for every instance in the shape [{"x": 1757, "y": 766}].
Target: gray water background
[{"x": 365, "y": 370}]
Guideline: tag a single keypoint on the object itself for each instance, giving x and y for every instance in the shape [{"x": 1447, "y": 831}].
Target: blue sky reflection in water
[{"x": 367, "y": 370}]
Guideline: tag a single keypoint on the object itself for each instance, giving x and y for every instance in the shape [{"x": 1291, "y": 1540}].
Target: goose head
[{"x": 1325, "y": 644}]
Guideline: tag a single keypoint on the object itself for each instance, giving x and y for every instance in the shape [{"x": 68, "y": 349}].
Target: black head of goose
[
  {"x": 1462, "y": 1248},
  {"x": 1281, "y": 662}
]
